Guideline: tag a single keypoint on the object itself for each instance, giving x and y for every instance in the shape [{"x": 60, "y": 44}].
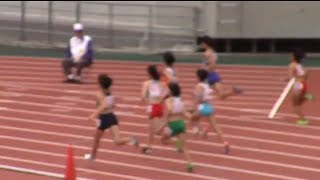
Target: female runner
[
  {"x": 204, "y": 109},
  {"x": 299, "y": 91},
  {"x": 175, "y": 124},
  {"x": 153, "y": 92},
  {"x": 107, "y": 119},
  {"x": 210, "y": 63}
]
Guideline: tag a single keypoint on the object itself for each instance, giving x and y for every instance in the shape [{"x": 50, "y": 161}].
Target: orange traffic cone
[{"x": 70, "y": 173}]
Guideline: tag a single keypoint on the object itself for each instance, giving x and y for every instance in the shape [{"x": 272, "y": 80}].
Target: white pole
[{"x": 281, "y": 99}]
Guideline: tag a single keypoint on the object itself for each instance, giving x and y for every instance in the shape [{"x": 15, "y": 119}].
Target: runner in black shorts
[{"x": 107, "y": 119}]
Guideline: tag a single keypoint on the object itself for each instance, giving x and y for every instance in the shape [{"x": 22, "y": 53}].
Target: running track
[{"x": 40, "y": 116}]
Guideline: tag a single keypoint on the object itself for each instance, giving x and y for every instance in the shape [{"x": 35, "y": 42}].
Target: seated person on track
[
  {"x": 153, "y": 92},
  {"x": 107, "y": 119},
  {"x": 299, "y": 91},
  {"x": 79, "y": 54},
  {"x": 175, "y": 125},
  {"x": 204, "y": 109},
  {"x": 210, "y": 64}
]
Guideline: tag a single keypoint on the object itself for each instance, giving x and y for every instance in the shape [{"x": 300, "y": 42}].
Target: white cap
[{"x": 77, "y": 27}]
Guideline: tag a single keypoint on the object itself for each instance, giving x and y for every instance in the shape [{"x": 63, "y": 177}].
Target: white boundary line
[
  {"x": 77, "y": 169},
  {"x": 128, "y": 113},
  {"x": 144, "y": 62},
  {"x": 144, "y": 135},
  {"x": 165, "y": 159},
  {"x": 36, "y": 172}
]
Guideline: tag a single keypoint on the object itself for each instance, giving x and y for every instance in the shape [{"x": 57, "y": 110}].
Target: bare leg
[
  {"x": 298, "y": 100},
  {"x": 153, "y": 128},
  {"x": 116, "y": 136},
  {"x": 222, "y": 93},
  {"x": 165, "y": 137},
  {"x": 96, "y": 143},
  {"x": 195, "y": 123},
  {"x": 216, "y": 128},
  {"x": 185, "y": 151}
]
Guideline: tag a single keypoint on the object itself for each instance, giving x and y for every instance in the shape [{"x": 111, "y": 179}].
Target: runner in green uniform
[{"x": 175, "y": 125}]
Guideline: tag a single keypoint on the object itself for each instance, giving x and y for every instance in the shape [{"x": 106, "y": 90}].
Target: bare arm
[
  {"x": 102, "y": 106},
  {"x": 211, "y": 61},
  {"x": 291, "y": 70},
  {"x": 198, "y": 94},
  {"x": 144, "y": 91},
  {"x": 166, "y": 115}
]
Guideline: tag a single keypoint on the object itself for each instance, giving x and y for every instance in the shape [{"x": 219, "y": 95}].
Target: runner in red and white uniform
[
  {"x": 153, "y": 92},
  {"x": 300, "y": 87}
]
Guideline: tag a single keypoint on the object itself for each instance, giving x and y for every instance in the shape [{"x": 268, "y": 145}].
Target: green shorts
[{"x": 177, "y": 127}]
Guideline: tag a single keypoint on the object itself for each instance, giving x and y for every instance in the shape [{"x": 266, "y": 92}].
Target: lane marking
[
  {"x": 144, "y": 135},
  {"x": 114, "y": 163},
  {"x": 78, "y": 169},
  {"x": 36, "y": 172},
  {"x": 154, "y": 158}
]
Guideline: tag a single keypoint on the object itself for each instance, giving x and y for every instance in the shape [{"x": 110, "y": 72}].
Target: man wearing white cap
[{"x": 79, "y": 54}]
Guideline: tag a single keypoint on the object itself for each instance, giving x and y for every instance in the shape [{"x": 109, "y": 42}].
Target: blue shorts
[
  {"x": 205, "y": 109},
  {"x": 213, "y": 77}
]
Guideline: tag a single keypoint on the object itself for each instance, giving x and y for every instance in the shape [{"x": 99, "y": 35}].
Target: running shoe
[
  {"x": 88, "y": 157},
  {"x": 309, "y": 97},
  {"x": 302, "y": 122},
  {"x": 190, "y": 167},
  {"x": 146, "y": 150},
  {"x": 134, "y": 141}
]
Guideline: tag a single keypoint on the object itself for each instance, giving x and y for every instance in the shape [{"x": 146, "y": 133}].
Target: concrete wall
[{"x": 281, "y": 19}]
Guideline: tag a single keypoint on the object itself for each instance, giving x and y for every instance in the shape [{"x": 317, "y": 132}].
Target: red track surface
[{"x": 40, "y": 116}]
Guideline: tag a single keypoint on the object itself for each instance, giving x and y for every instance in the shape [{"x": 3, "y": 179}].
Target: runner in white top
[
  {"x": 300, "y": 87},
  {"x": 175, "y": 124},
  {"x": 152, "y": 93},
  {"x": 205, "y": 110}
]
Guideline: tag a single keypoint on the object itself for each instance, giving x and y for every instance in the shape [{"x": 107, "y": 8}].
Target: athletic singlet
[
  {"x": 109, "y": 100},
  {"x": 172, "y": 73},
  {"x": 298, "y": 85},
  {"x": 300, "y": 70},
  {"x": 207, "y": 93},
  {"x": 177, "y": 106},
  {"x": 213, "y": 55},
  {"x": 154, "y": 89}
]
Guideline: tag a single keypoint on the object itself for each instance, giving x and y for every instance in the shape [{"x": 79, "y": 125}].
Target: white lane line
[
  {"x": 144, "y": 135},
  {"x": 140, "y": 116},
  {"x": 77, "y": 169},
  {"x": 259, "y": 111},
  {"x": 114, "y": 163},
  {"x": 66, "y": 103},
  {"x": 155, "y": 158},
  {"x": 36, "y": 172},
  {"x": 61, "y": 108},
  {"x": 180, "y": 67},
  {"x": 137, "y": 82},
  {"x": 58, "y": 87},
  {"x": 65, "y": 110},
  {"x": 3, "y": 108},
  {"x": 118, "y": 72}
]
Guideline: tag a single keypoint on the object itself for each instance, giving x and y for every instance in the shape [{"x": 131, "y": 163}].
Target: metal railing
[{"x": 112, "y": 25}]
